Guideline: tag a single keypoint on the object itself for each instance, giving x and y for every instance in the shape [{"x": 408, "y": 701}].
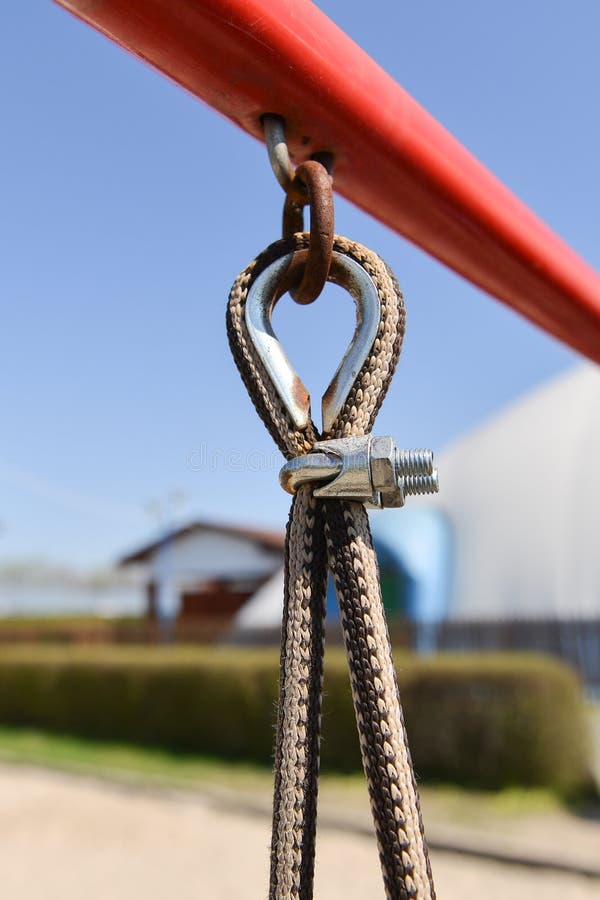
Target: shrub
[
  {"x": 498, "y": 720},
  {"x": 479, "y": 720}
]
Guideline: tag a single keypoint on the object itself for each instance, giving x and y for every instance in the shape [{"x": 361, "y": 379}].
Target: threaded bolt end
[
  {"x": 413, "y": 462},
  {"x": 421, "y": 484}
]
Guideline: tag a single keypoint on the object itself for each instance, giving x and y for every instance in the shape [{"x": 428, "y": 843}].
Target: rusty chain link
[{"x": 310, "y": 184}]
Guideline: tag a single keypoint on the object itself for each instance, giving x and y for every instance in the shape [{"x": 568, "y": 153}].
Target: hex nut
[{"x": 383, "y": 464}]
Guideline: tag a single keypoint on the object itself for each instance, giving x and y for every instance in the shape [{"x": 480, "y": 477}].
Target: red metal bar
[{"x": 248, "y": 57}]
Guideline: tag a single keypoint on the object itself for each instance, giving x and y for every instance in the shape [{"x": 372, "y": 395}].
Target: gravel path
[{"x": 68, "y": 838}]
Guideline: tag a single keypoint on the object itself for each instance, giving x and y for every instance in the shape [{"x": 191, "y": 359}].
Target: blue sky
[{"x": 118, "y": 251}]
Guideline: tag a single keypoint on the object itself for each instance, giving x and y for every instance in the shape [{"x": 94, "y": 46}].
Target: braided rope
[
  {"x": 336, "y": 534},
  {"x": 300, "y": 692}
]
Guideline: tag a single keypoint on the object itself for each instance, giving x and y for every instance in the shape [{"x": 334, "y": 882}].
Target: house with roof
[
  {"x": 232, "y": 577},
  {"x": 205, "y": 571}
]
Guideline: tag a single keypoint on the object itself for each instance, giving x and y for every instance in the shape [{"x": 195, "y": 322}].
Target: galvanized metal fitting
[
  {"x": 279, "y": 155},
  {"x": 368, "y": 469},
  {"x": 260, "y": 302}
]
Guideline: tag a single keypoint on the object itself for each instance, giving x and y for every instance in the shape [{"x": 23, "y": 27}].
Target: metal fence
[{"x": 575, "y": 641}]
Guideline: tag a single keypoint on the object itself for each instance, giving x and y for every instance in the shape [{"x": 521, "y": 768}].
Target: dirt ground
[{"x": 66, "y": 838}]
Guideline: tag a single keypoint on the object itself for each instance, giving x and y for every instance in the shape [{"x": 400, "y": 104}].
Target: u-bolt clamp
[{"x": 367, "y": 469}]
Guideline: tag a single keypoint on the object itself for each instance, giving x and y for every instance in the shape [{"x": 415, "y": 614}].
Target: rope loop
[{"x": 334, "y": 534}]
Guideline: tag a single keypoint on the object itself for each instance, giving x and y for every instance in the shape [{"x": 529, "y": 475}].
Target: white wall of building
[
  {"x": 180, "y": 564},
  {"x": 523, "y": 496}
]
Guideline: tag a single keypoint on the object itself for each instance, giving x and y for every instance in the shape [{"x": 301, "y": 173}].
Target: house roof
[{"x": 268, "y": 540}]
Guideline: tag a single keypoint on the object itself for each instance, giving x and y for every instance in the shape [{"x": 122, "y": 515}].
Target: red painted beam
[{"x": 248, "y": 57}]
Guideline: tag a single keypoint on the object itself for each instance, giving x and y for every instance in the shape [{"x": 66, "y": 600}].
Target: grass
[
  {"x": 148, "y": 767},
  {"x": 125, "y": 761}
]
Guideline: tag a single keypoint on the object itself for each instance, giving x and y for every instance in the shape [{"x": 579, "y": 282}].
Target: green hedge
[{"x": 482, "y": 720}]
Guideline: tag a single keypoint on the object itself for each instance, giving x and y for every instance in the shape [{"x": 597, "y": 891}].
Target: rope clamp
[{"x": 367, "y": 469}]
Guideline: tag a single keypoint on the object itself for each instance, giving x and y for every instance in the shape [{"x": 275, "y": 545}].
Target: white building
[
  {"x": 205, "y": 570},
  {"x": 522, "y": 494}
]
